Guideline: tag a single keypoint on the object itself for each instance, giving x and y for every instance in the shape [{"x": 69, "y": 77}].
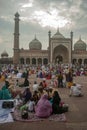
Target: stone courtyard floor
[{"x": 76, "y": 116}]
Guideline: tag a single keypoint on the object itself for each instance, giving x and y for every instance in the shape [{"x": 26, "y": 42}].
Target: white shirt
[
  {"x": 35, "y": 87},
  {"x": 19, "y": 75},
  {"x": 31, "y": 105}
]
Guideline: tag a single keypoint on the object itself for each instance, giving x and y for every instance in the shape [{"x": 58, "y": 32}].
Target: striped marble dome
[
  {"x": 35, "y": 44},
  {"x": 80, "y": 45}
]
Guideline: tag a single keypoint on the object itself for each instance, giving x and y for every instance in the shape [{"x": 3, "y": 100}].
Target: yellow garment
[
  {"x": 69, "y": 84},
  {"x": 2, "y": 78}
]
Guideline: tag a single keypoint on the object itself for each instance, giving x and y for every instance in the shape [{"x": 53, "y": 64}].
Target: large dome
[
  {"x": 80, "y": 45},
  {"x": 4, "y": 54},
  {"x": 58, "y": 35},
  {"x": 35, "y": 44}
]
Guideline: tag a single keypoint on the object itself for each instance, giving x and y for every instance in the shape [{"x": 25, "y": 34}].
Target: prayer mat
[
  {"x": 58, "y": 117},
  {"x": 32, "y": 117}
]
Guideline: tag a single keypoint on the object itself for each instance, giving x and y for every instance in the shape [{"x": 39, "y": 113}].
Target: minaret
[
  {"x": 16, "y": 40},
  {"x": 49, "y": 34},
  {"x": 71, "y": 35}
]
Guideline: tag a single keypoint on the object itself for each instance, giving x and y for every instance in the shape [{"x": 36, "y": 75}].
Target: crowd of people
[{"x": 41, "y": 97}]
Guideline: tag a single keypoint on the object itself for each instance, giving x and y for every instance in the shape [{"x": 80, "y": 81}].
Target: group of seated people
[
  {"x": 42, "y": 104},
  {"x": 10, "y": 90}
]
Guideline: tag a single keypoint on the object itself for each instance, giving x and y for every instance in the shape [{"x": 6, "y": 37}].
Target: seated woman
[
  {"x": 2, "y": 78},
  {"x": 44, "y": 84},
  {"x": 75, "y": 90},
  {"x": 56, "y": 104},
  {"x": 14, "y": 92},
  {"x": 35, "y": 97},
  {"x": 43, "y": 107},
  {"x": 26, "y": 82},
  {"x": 4, "y": 92},
  {"x": 49, "y": 93},
  {"x": 27, "y": 95}
]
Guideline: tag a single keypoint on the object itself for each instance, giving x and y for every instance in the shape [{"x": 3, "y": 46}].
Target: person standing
[{"x": 60, "y": 80}]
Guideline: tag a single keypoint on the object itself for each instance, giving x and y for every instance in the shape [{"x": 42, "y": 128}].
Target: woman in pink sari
[{"x": 43, "y": 107}]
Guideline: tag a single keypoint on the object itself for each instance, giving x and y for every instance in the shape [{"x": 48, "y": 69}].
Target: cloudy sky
[{"x": 37, "y": 17}]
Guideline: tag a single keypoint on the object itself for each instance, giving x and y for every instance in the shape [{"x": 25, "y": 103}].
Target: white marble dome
[
  {"x": 80, "y": 45},
  {"x": 35, "y": 44}
]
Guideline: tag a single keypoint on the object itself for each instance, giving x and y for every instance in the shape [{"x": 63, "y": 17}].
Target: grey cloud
[
  {"x": 9, "y": 7},
  {"x": 55, "y": 3},
  {"x": 83, "y": 6},
  {"x": 28, "y": 32}
]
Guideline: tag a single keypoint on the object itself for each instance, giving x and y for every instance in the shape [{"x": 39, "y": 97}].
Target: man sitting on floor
[{"x": 75, "y": 90}]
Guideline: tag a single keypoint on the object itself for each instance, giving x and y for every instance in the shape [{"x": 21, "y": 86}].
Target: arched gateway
[
  {"x": 60, "y": 48},
  {"x": 60, "y": 54}
]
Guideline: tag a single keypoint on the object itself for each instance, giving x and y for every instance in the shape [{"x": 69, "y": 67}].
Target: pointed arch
[
  {"x": 80, "y": 61},
  {"x": 39, "y": 60},
  {"x": 33, "y": 61},
  {"x": 85, "y": 61},
  {"x": 74, "y": 61},
  {"x": 27, "y": 60},
  {"x": 21, "y": 60},
  {"x": 60, "y": 54},
  {"x": 45, "y": 61}
]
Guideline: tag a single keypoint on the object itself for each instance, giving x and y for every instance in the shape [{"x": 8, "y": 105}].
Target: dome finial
[
  {"x": 58, "y": 35},
  {"x": 58, "y": 29},
  {"x": 80, "y": 37},
  {"x": 35, "y": 36}
]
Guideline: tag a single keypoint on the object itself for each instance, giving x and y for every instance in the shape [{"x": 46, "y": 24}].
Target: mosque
[{"x": 60, "y": 50}]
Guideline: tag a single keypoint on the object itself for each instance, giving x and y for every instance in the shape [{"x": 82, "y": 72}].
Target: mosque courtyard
[{"x": 76, "y": 116}]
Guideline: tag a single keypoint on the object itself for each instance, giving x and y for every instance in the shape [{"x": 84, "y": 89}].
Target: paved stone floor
[{"x": 76, "y": 117}]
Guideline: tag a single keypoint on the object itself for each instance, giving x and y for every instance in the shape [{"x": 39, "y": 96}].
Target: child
[
  {"x": 31, "y": 105},
  {"x": 17, "y": 83}
]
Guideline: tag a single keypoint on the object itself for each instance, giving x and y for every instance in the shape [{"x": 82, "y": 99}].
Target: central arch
[
  {"x": 59, "y": 59},
  {"x": 60, "y": 54}
]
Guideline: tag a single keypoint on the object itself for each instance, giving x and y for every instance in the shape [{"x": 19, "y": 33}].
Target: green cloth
[
  {"x": 4, "y": 87},
  {"x": 24, "y": 107},
  {"x": 4, "y": 93}
]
